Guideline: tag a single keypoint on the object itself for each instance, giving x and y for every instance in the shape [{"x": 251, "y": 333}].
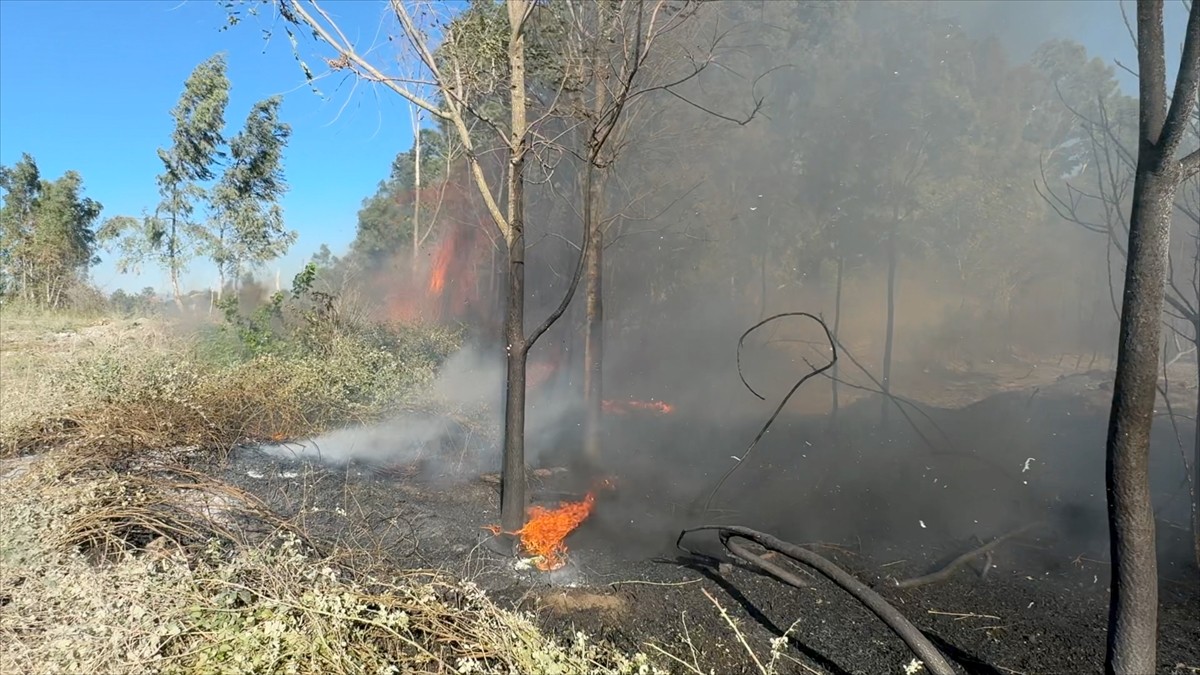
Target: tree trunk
[
  {"x": 593, "y": 341},
  {"x": 416, "y": 217},
  {"x": 1133, "y": 606},
  {"x": 837, "y": 322},
  {"x": 175, "y": 292},
  {"x": 1133, "y": 610},
  {"x": 1195, "y": 492},
  {"x": 593, "y": 347},
  {"x": 886, "y": 380},
  {"x": 173, "y": 261},
  {"x": 512, "y": 478}
]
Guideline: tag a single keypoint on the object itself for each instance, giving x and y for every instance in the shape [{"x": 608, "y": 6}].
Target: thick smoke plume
[{"x": 1004, "y": 324}]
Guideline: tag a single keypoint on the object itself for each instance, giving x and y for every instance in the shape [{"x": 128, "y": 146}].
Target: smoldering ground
[{"x": 991, "y": 437}]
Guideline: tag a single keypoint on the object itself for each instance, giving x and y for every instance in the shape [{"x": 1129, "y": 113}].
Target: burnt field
[{"x": 885, "y": 507}]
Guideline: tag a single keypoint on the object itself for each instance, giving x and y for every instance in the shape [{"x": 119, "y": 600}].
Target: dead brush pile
[
  {"x": 177, "y": 393},
  {"x": 131, "y": 564},
  {"x": 118, "y": 555}
]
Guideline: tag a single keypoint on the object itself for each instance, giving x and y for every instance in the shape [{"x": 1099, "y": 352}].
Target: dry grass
[
  {"x": 117, "y": 557},
  {"x": 144, "y": 385},
  {"x": 41, "y": 355},
  {"x": 157, "y": 569}
]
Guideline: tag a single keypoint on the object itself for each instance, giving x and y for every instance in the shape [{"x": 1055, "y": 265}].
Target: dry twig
[{"x": 945, "y": 572}]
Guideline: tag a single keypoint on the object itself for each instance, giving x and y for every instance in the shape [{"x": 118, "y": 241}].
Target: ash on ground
[{"x": 1040, "y": 607}]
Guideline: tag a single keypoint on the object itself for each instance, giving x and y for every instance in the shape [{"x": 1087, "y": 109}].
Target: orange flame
[
  {"x": 546, "y": 530},
  {"x": 437, "y": 277},
  {"x": 626, "y": 406}
]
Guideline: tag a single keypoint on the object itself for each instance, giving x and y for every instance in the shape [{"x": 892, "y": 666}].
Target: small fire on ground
[
  {"x": 545, "y": 533},
  {"x": 623, "y": 407}
]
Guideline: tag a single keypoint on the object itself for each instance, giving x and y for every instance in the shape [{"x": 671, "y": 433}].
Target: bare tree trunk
[
  {"x": 837, "y": 322},
  {"x": 1133, "y": 608},
  {"x": 173, "y": 261},
  {"x": 512, "y": 478},
  {"x": 1195, "y": 492},
  {"x": 886, "y": 380},
  {"x": 1133, "y": 620},
  {"x": 175, "y": 292},
  {"x": 593, "y": 346},
  {"x": 416, "y": 217}
]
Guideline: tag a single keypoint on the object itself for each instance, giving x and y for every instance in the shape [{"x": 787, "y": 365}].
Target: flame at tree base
[{"x": 544, "y": 534}]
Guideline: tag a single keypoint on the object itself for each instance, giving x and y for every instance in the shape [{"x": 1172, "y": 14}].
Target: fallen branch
[
  {"x": 912, "y": 636},
  {"x": 959, "y": 616},
  {"x": 945, "y": 572}
]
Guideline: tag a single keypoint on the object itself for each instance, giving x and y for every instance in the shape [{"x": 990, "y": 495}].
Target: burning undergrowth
[{"x": 187, "y": 598}]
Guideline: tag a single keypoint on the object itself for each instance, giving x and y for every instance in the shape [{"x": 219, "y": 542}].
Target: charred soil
[{"x": 884, "y": 504}]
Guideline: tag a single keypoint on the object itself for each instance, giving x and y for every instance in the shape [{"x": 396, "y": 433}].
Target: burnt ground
[{"x": 884, "y": 506}]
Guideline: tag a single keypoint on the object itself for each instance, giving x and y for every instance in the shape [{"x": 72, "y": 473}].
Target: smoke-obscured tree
[
  {"x": 247, "y": 221},
  {"x": 468, "y": 42},
  {"x": 173, "y": 234},
  {"x": 399, "y": 215},
  {"x": 852, "y": 166},
  {"x": 614, "y": 59},
  {"x": 47, "y": 240},
  {"x": 1163, "y": 121}
]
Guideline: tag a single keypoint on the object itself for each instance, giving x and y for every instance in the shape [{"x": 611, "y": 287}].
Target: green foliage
[
  {"x": 145, "y": 303},
  {"x": 240, "y": 224},
  {"x": 385, "y": 221},
  {"x": 248, "y": 227},
  {"x": 47, "y": 240},
  {"x": 172, "y": 235},
  {"x": 258, "y": 332},
  {"x": 309, "y": 323}
]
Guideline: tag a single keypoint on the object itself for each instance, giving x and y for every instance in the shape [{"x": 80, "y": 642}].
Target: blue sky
[{"x": 89, "y": 85}]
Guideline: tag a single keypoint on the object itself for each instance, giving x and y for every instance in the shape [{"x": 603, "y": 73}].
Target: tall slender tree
[
  {"x": 248, "y": 227},
  {"x": 1162, "y": 124},
  {"x": 470, "y": 37},
  {"x": 173, "y": 234}
]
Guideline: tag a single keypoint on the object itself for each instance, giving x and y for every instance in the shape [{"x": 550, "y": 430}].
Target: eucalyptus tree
[
  {"x": 173, "y": 234},
  {"x": 247, "y": 220},
  {"x": 47, "y": 240}
]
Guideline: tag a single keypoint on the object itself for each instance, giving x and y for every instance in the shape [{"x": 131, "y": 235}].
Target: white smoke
[{"x": 469, "y": 387}]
